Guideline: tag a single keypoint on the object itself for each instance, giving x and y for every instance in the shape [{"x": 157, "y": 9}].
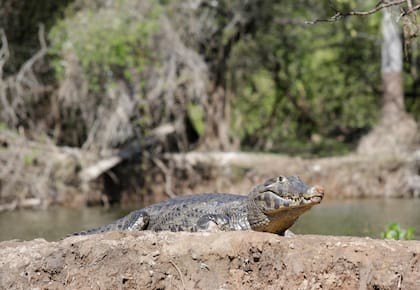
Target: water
[
  {"x": 339, "y": 217},
  {"x": 53, "y": 223},
  {"x": 367, "y": 217}
]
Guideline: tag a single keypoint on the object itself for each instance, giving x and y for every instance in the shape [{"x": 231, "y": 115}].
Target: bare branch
[
  {"x": 27, "y": 67},
  {"x": 340, "y": 15},
  {"x": 4, "y": 84},
  {"x": 168, "y": 176},
  {"x": 4, "y": 51},
  {"x": 410, "y": 10},
  {"x": 409, "y": 4}
]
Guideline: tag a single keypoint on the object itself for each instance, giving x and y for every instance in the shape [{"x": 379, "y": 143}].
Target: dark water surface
[{"x": 340, "y": 217}]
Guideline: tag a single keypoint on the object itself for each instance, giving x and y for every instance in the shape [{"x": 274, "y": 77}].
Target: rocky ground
[{"x": 233, "y": 260}]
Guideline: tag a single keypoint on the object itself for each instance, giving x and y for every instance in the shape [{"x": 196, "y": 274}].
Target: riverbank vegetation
[
  {"x": 395, "y": 232},
  {"x": 96, "y": 99}
]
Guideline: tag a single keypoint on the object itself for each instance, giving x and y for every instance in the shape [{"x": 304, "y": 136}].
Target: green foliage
[
  {"x": 196, "y": 114},
  {"x": 312, "y": 89},
  {"x": 293, "y": 88},
  {"x": 395, "y": 232},
  {"x": 110, "y": 43}
]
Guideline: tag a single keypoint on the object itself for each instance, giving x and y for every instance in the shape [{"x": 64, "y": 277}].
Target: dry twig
[
  {"x": 168, "y": 176},
  {"x": 4, "y": 51},
  {"x": 179, "y": 272},
  {"x": 17, "y": 92},
  {"x": 381, "y": 5},
  {"x": 27, "y": 66}
]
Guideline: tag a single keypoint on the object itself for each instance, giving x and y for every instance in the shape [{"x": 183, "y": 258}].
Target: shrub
[
  {"x": 111, "y": 43},
  {"x": 395, "y": 232}
]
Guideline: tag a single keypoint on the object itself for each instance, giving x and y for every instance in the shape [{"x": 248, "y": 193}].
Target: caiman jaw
[
  {"x": 286, "y": 193},
  {"x": 310, "y": 197}
]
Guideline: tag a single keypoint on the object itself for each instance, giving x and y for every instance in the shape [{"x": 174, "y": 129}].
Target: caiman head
[{"x": 277, "y": 203}]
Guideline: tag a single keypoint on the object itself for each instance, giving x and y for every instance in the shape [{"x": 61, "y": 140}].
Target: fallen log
[{"x": 129, "y": 151}]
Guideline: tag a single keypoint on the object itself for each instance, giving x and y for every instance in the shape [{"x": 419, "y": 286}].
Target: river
[{"x": 357, "y": 217}]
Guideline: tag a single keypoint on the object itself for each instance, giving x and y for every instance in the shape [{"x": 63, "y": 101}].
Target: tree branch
[
  {"x": 27, "y": 66},
  {"x": 4, "y": 51},
  {"x": 340, "y": 15},
  {"x": 410, "y": 10}
]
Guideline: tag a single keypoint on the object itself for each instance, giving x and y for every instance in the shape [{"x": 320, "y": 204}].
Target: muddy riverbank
[
  {"x": 232, "y": 260},
  {"x": 351, "y": 176}
]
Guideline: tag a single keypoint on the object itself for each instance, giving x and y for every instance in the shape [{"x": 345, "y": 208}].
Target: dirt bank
[
  {"x": 57, "y": 175},
  {"x": 233, "y": 260},
  {"x": 351, "y": 176}
]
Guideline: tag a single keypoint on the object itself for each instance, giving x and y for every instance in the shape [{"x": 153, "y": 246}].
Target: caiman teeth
[{"x": 316, "y": 199}]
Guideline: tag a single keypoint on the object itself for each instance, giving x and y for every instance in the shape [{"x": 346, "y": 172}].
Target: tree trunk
[
  {"x": 396, "y": 131},
  {"x": 216, "y": 135}
]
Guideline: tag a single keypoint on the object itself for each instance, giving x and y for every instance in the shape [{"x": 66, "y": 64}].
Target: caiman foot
[
  {"x": 138, "y": 222},
  {"x": 212, "y": 223}
]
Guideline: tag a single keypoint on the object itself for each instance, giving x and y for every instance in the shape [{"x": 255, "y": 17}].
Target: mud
[{"x": 232, "y": 260}]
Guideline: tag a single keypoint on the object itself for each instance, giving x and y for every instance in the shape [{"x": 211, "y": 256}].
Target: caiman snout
[{"x": 316, "y": 193}]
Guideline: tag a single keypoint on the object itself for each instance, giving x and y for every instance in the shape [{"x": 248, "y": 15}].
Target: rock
[{"x": 223, "y": 260}]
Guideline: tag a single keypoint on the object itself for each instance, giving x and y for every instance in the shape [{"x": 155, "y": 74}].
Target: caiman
[{"x": 270, "y": 207}]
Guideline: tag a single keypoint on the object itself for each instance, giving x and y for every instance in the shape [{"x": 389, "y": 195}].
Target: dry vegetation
[{"x": 107, "y": 123}]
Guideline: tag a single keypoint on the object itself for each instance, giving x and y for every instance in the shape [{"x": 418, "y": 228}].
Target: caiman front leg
[
  {"x": 213, "y": 223},
  {"x": 137, "y": 221}
]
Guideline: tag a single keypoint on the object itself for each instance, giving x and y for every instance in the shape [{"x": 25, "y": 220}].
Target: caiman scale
[{"x": 270, "y": 207}]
